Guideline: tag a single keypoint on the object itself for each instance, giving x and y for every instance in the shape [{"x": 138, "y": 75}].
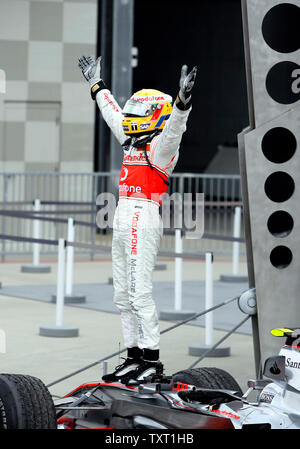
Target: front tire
[
  {"x": 213, "y": 378},
  {"x": 25, "y": 403}
]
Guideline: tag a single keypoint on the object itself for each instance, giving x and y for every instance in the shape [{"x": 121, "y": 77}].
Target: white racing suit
[{"x": 137, "y": 227}]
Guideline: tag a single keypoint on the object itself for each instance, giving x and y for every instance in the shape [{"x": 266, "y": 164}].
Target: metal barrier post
[
  {"x": 105, "y": 367},
  {"x": 177, "y": 313},
  {"x": 235, "y": 276},
  {"x": 209, "y": 298},
  {"x": 60, "y": 283},
  {"x": 4, "y": 219},
  {"x": 178, "y": 270},
  {"x": 236, "y": 245},
  {"x": 36, "y": 267},
  {"x": 36, "y": 234},
  {"x": 59, "y": 330},
  {"x": 70, "y": 257},
  {"x": 198, "y": 350},
  {"x": 70, "y": 297}
]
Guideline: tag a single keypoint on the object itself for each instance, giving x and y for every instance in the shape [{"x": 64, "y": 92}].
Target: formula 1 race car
[{"x": 202, "y": 398}]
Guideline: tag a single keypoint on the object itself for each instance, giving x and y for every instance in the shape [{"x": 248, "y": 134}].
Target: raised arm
[
  {"x": 109, "y": 108},
  {"x": 167, "y": 143}
]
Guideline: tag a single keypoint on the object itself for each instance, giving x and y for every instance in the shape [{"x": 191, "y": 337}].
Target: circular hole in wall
[
  {"x": 279, "y": 145},
  {"x": 281, "y": 257},
  {"x": 283, "y": 82},
  {"x": 280, "y": 28},
  {"x": 279, "y": 186},
  {"x": 280, "y": 223}
]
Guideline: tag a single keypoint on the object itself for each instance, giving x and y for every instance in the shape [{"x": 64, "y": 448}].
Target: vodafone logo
[
  {"x": 124, "y": 188},
  {"x": 134, "y": 235},
  {"x": 148, "y": 98},
  {"x": 152, "y": 98},
  {"x": 125, "y": 174}
]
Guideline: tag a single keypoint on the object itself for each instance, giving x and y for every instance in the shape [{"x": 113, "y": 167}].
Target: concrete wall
[{"x": 46, "y": 114}]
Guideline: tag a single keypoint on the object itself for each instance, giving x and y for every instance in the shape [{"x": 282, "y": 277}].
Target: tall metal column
[
  {"x": 104, "y": 48},
  {"x": 270, "y": 165},
  {"x": 121, "y": 87},
  {"x": 244, "y": 186}
]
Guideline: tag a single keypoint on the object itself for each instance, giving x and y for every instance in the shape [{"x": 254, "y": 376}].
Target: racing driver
[{"x": 149, "y": 129}]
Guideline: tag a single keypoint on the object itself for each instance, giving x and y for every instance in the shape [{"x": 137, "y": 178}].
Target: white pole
[
  {"x": 70, "y": 257},
  {"x": 105, "y": 367},
  {"x": 60, "y": 282},
  {"x": 178, "y": 270},
  {"x": 36, "y": 233},
  {"x": 209, "y": 280},
  {"x": 236, "y": 245}
]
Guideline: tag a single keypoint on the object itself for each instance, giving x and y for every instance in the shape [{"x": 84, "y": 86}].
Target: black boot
[
  {"x": 150, "y": 366},
  {"x": 130, "y": 364}
]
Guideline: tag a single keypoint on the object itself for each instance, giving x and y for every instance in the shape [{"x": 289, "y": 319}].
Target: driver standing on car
[{"x": 149, "y": 129}]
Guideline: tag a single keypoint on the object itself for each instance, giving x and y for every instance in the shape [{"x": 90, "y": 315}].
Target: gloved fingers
[
  {"x": 98, "y": 60},
  {"x": 85, "y": 61},
  {"x": 82, "y": 63},
  {"x": 192, "y": 74},
  {"x": 189, "y": 80},
  {"x": 90, "y": 68},
  {"x": 90, "y": 61},
  {"x": 184, "y": 70},
  {"x": 183, "y": 75}
]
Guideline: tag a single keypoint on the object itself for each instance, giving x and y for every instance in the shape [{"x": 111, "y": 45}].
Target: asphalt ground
[{"x": 25, "y": 306}]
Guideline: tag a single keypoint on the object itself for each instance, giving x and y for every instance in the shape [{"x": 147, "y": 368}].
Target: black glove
[{"x": 186, "y": 83}]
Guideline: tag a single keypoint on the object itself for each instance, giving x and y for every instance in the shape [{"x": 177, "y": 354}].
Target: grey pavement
[
  {"x": 25, "y": 306},
  {"x": 99, "y": 297}
]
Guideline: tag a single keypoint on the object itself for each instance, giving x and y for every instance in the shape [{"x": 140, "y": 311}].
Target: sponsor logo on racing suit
[
  {"x": 131, "y": 189},
  {"x": 136, "y": 158},
  {"x": 132, "y": 274},
  {"x": 134, "y": 224},
  {"x": 134, "y": 241},
  {"x": 125, "y": 170},
  {"x": 110, "y": 102}
]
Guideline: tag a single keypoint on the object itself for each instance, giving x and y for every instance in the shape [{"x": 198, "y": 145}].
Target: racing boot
[
  {"x": 130, "y": 364},
  {"x": 149, "y": 368}
]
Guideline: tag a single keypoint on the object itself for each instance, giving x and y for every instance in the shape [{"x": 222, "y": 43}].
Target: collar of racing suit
[{"x": 139, "y": 142}]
